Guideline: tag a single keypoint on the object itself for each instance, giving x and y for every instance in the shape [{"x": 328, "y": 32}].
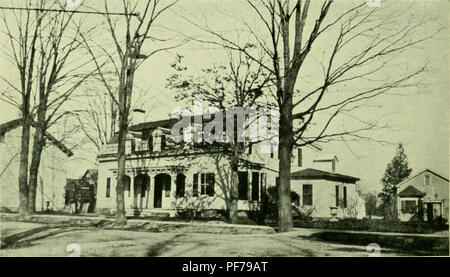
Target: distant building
[
  {"x": 427, "y": 190},
  {"x": 52, "y": 171},
  {"x": 163, "y": 177},
  {"x": 80, "y": 194}
]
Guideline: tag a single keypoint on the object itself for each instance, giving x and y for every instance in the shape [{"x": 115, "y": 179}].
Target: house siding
[
  {"x": 51, "y": 178},
  {"x": 191, "y": 162},
  {"x": 324, "y": 197}
]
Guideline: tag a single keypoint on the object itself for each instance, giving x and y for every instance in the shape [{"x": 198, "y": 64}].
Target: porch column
[
  {"x": 133, "y": 193},
  {"x": 250, "y": 184},
  {"x": 151, "y": 193},
  {"x": 131, "y": 198},
  {"x": 173, "y": 190}
]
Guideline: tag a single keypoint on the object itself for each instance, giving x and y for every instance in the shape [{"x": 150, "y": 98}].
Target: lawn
[
  {"x": 112, "y": 243},
  {"x": 374, "y": 225}
]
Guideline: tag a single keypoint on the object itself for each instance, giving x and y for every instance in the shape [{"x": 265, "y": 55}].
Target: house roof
[
  {"x": 165, "y": 123},
  {"x": 13, "y": 124},
  {"x": 420, "y": 172},
  {"x": 168, "y": 124},
  {"x": 411, "y": 191},
  {"x": 92, "y": 172},
  {"x": 315, "y": 174}
]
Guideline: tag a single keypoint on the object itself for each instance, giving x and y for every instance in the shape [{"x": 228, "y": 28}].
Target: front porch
[{"x": 153, "y": 191}]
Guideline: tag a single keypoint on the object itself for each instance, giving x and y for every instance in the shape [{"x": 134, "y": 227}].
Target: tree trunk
[
  {"x": 38, "y": 145},
  {"x": 121, "y": 218},
  {"x": 284, "y": 188},
  {"x": 23, "y": 170},
  {"x": 121, "y": 158},
  {"x": 234, "y": 195}
]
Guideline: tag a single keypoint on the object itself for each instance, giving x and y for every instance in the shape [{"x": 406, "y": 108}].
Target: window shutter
[
  {"x": 180, "y": 185},
  {"x": 345, "y": 197},
  {"x": 307, "y": 195},
  {"x": 150, "y": 142},
  {"x": 243, "y": 185},
  {"x": 195, "y": 185},
  {"x": 337, "y": 196},
  {"x": 108, "y": 187},
  {"x": 255, "y": 186}
]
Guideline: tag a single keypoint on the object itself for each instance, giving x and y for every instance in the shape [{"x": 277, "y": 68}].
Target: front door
[
  {"x": 158, "y": 194},
  {"x": 429, "y": 212},
  {"x": 162, "y": 183}
]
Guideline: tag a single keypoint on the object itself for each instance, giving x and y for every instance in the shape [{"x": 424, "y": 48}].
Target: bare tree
[
  {"x": 136, "y": 28},
  {"x": 240, "y": 83},
  {"x": 354, "y": 46},
  {"x": 23, "y": 43},
  {"x": 98, "y": 120},
  {"x": 51, "y": 77}
]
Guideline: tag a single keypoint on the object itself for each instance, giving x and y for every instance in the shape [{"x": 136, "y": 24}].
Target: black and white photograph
[{"x": 248, "y": 129}]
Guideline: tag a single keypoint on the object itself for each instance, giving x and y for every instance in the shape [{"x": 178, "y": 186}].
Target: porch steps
[{"x": 159, "y": 213}]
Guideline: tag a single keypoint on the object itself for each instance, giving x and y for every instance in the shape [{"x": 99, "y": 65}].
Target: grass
[
  {"x": 374, "y": 225},
  {"x": 369, "y": 225}
]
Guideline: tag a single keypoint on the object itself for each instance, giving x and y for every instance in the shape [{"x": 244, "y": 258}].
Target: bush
[
  {"x": 269, "y": 207},
  {"x": 302, "y": 214}
]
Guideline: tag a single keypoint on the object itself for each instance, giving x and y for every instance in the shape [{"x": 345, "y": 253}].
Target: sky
[{"x": 417, "y": 116}]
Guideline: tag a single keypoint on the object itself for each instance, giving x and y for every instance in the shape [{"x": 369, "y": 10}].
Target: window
[
  {"x": 271, "y": 151},
  {"x": 207, "y": 181},
  {"x": 127, "y": 184},
  {"x": 243, "y": 185},
  {"x": 181, "y": 179},
  {"x": 427, "y": 180},
  {"x": 408, "y": 206},
  {"x": 337, "y": 196},
  {"x": 163, "y": 142},
  {"x": 333, "y": 166},
  {"x": 108, "y": 187},
  {"x": 150, "y": 142},
  {"x": 263, "y": 185},
  {"x": 250, "y": 148},
  {"x": 307, "y": 195},
  {"x": 345, "y": 197},
  {"x": 255, "y": 186},
  {"x": 195, "y": 185},
  {"x": 299, "y": 157}
]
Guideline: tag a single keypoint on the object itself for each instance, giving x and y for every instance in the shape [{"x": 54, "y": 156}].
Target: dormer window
[
  {"x": 163, "y": 142},
  {"x": 427, "y": 180},
  {"x": 150, "y": 143}
]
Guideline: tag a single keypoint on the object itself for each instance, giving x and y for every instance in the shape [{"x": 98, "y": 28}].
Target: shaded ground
[{"x": 27, "y": 239}]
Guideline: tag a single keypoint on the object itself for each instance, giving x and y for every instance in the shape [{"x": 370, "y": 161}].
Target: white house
[
  {"x": 426, "y": 188},
  {"x": 163, "y": 177}
]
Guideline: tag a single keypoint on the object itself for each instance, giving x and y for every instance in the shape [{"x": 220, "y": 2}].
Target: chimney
[{"x": 137, "y": 116}]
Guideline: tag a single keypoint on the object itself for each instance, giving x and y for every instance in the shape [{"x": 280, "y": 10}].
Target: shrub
[{"x": 269, "y": 207}]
